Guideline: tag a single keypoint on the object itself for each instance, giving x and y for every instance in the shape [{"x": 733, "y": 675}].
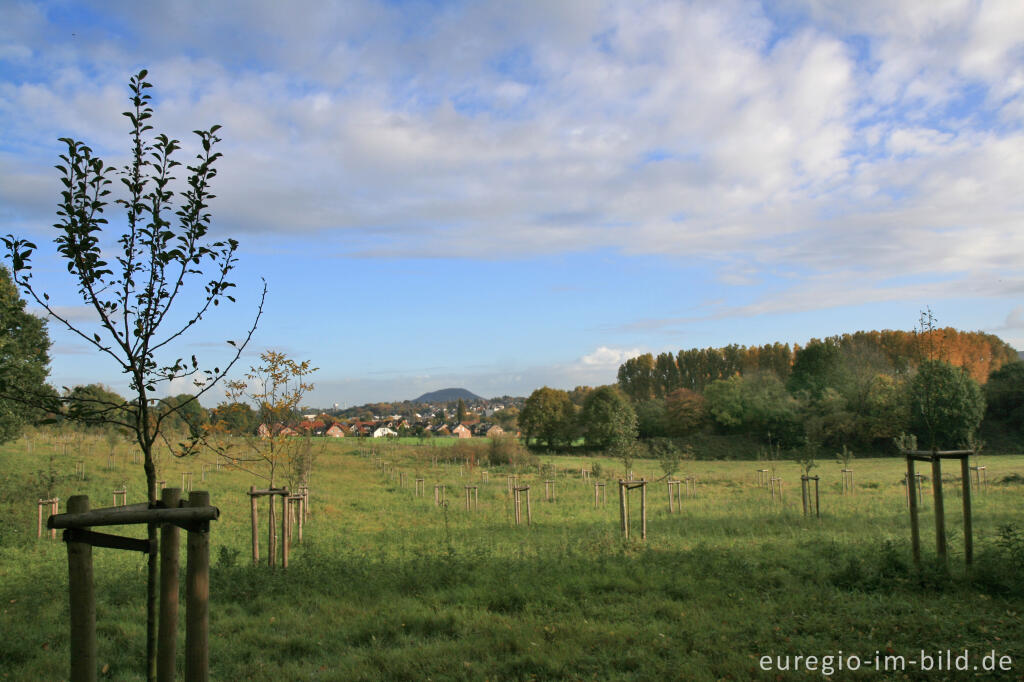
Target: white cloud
[
  {"x": 603, "y": 356},
  {"x": 870, "y": 141}
]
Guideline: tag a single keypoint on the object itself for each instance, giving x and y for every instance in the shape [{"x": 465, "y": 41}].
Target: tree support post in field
[
  {"x": 270, "y": 493},
  {"x": 54, "y": 505},
  {"x": 762, "y": 478},
  {"x": 673, "y": 495},
  {"x": 195, "y": 518},
  {"x": 848, "y": 488},
  {"x": 979, "y": 478},
  {"x": 121, "y": 495},
  {"x": 599, "y": 495},
  {"x": 420, "y": 487},
  {"x": 167, "y": 637},
  {"x": 549, "y": 490},
  {"x": 518, "y": 504},
  {"x": 935, "y": 457},
  {"x": 624, "y": 487},
  {"x": 691, "y": 486},
  {"x": 472, "y": 498},
  {"x": 775, "y": 486},
  {"x": 440, "y": 492},
  {"x": 810, "y": 503}
]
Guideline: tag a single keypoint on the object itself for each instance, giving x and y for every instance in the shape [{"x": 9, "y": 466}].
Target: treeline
[
  {"x": 861, "y": 389},
  {"x": 892, "y": 352}
]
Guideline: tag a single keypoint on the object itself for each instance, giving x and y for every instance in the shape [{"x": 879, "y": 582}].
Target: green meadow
[{"x": 388, "y": 585}]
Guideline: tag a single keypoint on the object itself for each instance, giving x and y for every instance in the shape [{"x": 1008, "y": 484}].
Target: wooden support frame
[
  {"x": 979, "y": 478},
  {"x": 54, "y": 506},
  {"x": 297, "y": 514},
  {"x": 599, "y": 494},
  {"x": 675, "y": 496},
  {"x": 440, "y": 494},
  {"x": 484, "y": 476},
  {"x": 195, "y": 518},
  {"x": 518, "y": 505},
  {"x": 690, "y": 486},
  {"x": 186, "y": 481},
  {"x": 762, "y": 478},
  {"x": 624, "y": 487},
  {"x": 421, "y": 486},
  {"x": 775, "y": 486},
  {"x": 121, "y": 494},
  {"x": 811, "y": 504},
  {"x": 847, "y": 475},
  {"x": 271, "y": 525},
  {"x": 80, "y": 469},
  {"x": 935, "y": 457},
  {"x": 917, "y": 488},
  {"x": 472, "y": 498},
  {"x": 549, "y": 490},
  {"x": 585, "y": 475},
  {"x": 511, "y": 481}
]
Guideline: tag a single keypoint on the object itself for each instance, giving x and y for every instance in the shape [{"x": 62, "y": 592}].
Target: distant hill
[{"x": 447, "y": 395}]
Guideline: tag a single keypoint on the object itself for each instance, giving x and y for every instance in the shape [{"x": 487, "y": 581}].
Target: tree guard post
[
  {"x": 805, "y": 493},
  {"x": 197, "y": 595},
  {"x": 82, "y": 595},
  {"x": 979, "y": 478},
  {"x": 549, "y": 490},
  {"x": 915, "y": 530},
  {"x": 599, "y": 494},
  {"x": 940, "y": 512},
  {"x": 936, "y": 457},
  {"x": 54, "y": 505},
  {"x": 472, "y": 498},
  {"x": 775, "y": 485},
  {"x": 762, "y": 478},
  {"x": 167, "y": 635},
  {"x": 624, "y": 487},
  {"x": 123, "y": 495},
  {"x": 518, "y": 500},
  {"x": 671, "y": 490},
  {"x": 848, "y": 488},
  {"x": 420, "y": 486},
  {"x": 255, "y": 526}
]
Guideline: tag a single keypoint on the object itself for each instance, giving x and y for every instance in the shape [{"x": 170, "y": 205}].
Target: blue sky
[{"x": 501, "y": 196}]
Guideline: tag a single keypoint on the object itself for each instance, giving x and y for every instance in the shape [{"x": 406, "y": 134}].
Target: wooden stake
[
  {"x": 915, "y": 531},
  {"x": 255, "y": 526},
  {"x": 965, "y": 473},
  {"x": 643, "y": 509},
  {"x": 940, "y": 514},
  {"x": 197, "y": 596},
  {"x": 167, "y": 637},
  {"x": 82, "y": 602}
]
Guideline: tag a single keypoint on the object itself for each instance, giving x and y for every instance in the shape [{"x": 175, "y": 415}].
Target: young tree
[
  {"x": 152, "y": 265},
  {"x": 24, "y": 362},
  {"x": 276, "y": 388}
]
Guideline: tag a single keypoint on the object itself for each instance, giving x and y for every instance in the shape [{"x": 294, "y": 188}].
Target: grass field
[{"x": 388, "y": 586}]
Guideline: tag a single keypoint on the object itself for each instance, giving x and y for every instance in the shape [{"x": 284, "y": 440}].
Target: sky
[{"x": 500, "y": 196}]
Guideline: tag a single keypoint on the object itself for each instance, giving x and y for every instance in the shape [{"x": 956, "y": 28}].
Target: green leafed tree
[
  {"x": 946, "y": 406},
  {"x": 548, "y": 416},
  {"x": 24, "y": 362},
  {"x": 1004, "y": 394},
  {"x": 139, "y": 280},
  {"x": 608, "y": 420}
]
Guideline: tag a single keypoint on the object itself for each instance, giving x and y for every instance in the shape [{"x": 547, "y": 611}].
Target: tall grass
[{"x": 388, "y": 586}]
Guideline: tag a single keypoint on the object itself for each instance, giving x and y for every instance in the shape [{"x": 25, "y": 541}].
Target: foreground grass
[{"x": 388, "y": 586}]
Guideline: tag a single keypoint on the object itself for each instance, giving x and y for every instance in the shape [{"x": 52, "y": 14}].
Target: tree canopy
[{"x": 24, "y": 361}]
